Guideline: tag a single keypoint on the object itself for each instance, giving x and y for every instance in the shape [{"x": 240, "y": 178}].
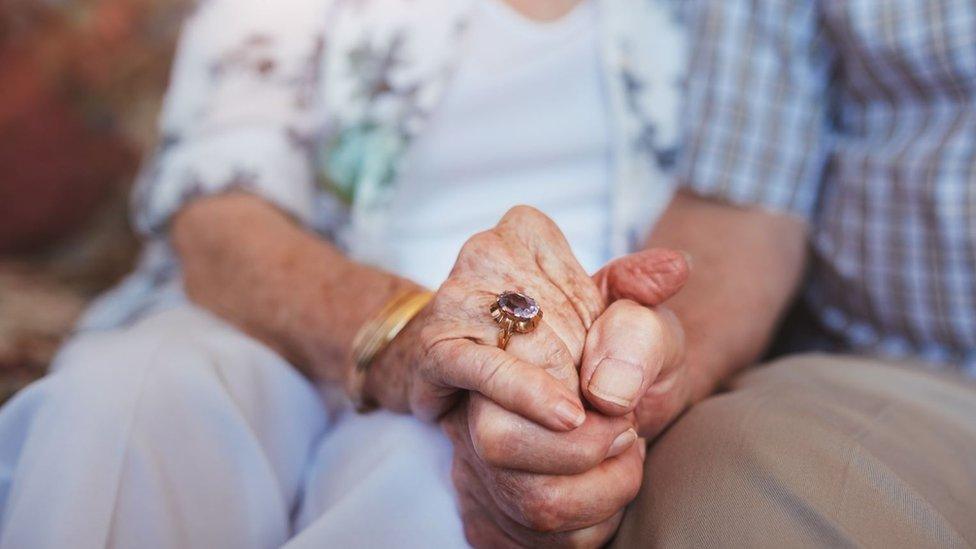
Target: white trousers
[{"x": 181, "y": 431}]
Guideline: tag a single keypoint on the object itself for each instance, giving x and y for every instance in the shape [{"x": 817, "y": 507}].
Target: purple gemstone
[{"x": 518, "y": 305}]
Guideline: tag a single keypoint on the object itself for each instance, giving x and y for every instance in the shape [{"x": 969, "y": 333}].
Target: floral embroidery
[
  {"x": 376, "y": 79},
  {"x": 373, "y": 67},
  {"x": 341, "y": 88},
  {"x": 361, "y": 159},
  {"x": 359, "y": 163},
  {"x": 239, "y": 180},
  {"x": 252, "y": 55},
  {"x": 307, "y": 80}
]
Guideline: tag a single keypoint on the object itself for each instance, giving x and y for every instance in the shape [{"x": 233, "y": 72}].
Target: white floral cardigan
[{"x": 312, "y": 103}]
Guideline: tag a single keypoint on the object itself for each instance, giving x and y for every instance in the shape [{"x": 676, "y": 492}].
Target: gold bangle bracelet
[{"x": 375, "y": 335}]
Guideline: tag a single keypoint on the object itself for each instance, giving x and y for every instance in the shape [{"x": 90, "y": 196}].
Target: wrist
[
  {"x": 386, "y": 378},
  {"x": 703, "y": 366}
]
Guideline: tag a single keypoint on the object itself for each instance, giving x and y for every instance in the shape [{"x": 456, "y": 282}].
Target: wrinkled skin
[
  {"x": 525, "y": 475},
  {"x": 638, "y": 333},
  {"x": 452, "y": 345},
  {"x": 506, "y": 507}
]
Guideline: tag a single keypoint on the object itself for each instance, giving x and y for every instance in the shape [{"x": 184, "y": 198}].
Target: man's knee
[
  {"x": 715, "y": 472},
  {"x": 797, "y": 453}
]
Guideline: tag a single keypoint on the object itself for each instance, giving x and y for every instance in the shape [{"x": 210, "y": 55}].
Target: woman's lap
[
  {"x": 182, "y": 431},
  {"x": 380, "y": 480}
]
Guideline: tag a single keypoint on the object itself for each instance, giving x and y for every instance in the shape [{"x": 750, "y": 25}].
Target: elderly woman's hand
[
  {"x": 452, "y": 344},
  {"x": 522, "y": 486}
]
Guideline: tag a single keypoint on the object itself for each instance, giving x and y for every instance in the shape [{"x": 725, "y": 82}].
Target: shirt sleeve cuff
[
  {"x": 788, "y": 188},
  {"x": 265, "y": 162}
]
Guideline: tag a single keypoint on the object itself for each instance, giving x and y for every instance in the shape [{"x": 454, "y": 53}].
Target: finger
[
  {"x": 516, "y": 385},
  {"x": 505, "y": 532},
  {"x": 504, "y": 440},
  {"x": 649, "y": 277},
  {"x": 546, "y": 349},
  {"x": 467, "y": 311},
  {"x": 487, "y": 524},
  {"x": 501, "y": 531},
  {"x": 592, "y": 536},
  {"x": 552, "y": 253},
  {"x": 484, "y": 524},
  {"x": 566, "y": 274},
  {"x": 565, "y": 503},
  {"x": 627, "y": 350},
  {"x": 558, "y": 312},
  {"x": 662, "y": 403},
  {"x": 476, "y": 509}
]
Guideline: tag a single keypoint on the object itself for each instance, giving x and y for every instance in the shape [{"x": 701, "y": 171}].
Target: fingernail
[
  {"x": 623, "y": 441},
  {"x": 688, "y": 258},
  {"x": 616, "y": 381},
  {"x": 643, "y": 447},
  {"x": 570, "y": 413}
]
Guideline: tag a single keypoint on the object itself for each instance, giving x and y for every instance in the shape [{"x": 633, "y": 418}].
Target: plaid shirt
[{"x": 860, "y": 116}]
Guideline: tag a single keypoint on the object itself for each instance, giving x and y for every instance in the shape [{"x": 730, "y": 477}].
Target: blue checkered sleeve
[{"x": 756, "y": 122}]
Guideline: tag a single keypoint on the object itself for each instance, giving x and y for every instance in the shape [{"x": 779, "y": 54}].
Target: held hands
[
  {"x": 450, "y": 348},
  {"x": 530, "y": 465}
]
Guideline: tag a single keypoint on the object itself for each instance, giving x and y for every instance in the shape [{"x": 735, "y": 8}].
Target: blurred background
[{"x": 80, "y": 88}]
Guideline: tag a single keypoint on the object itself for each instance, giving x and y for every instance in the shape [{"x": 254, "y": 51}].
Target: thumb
[
  {"x": 649, "y": 277},
  {"x": 629, "y": 347}
]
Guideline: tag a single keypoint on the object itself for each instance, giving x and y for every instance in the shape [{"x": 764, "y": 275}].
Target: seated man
[{"x": 830, "y": 149}]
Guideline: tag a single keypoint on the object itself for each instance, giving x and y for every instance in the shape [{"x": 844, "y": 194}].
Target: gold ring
[{"x": 514, "y": 312}]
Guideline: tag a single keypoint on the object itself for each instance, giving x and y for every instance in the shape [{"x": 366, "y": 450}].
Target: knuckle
[
  {"x": 651, "y": 318},
  {"x": 478, "y": 243},
  {"x": 458, "y": 474},
  {"x": 496, "y": 374},
  {"x": 540, "y": 508},
  {"x": 490, "y": 435},
  {"x": 540, "y": 388},
  {"x": 527, "y": 218},
  {"x": 630, "y": 315},
  {"x": 593, "y": 441},
  {"x": 473, "y": 305},
  {"x": 438, "y": 357},
  {"x": 670, "y": 320},
  {"x": 475, "y": 534},
  {"x": 522, "y": 211},
  {"x": 427, "y": 339},
  {"x": 589, "y": 454},
  {"x": 588, "y": 538},
  {"x": 535, "y": 388},
  {"x": 557, "y": 355}
]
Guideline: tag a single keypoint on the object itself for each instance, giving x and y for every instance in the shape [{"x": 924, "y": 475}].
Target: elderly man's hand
[{"x": 633, "y": 359}]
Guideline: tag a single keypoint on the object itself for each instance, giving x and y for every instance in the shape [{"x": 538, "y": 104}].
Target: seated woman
[{"x": 321, "y": 164}]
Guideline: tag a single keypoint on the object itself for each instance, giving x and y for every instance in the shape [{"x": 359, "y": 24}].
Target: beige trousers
[{"x": 816, "y": 451}]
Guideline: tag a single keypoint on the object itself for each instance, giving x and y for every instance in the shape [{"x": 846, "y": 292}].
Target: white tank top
[{"x": 524, "y": 121}]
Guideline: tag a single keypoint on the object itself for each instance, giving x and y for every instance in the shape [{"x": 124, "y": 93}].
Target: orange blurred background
[{"x": 80, "y": 87}]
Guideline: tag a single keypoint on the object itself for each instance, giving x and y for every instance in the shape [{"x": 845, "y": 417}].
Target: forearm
[
  {"x": 250, "y": 264},
  {"x": 747, "y": 265}
]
